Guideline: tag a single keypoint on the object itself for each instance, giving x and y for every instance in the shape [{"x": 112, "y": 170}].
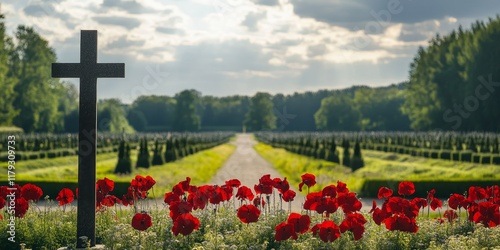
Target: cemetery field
[
  {"x": 54, "y": 174},
  {"x": 384, "y": 168}
]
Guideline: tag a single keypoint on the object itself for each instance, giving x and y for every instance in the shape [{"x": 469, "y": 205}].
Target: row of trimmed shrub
[
  {"x": 462, "y": 156},
  {"x": 25, "y": 155},
  {"x": 443, "y": 187},
  {"x": 318, "y": 148}
]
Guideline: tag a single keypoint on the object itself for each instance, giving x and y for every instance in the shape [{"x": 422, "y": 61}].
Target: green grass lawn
[
  {"x": 200, "y": 167},
  {"x": 378, "y": 166}
]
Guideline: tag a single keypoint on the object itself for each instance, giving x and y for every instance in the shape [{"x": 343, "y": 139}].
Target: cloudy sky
[{"x": 226, "y": 47}]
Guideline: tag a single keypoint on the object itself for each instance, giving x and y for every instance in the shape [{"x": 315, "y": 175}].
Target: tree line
[{"x": 451, "y": 85}]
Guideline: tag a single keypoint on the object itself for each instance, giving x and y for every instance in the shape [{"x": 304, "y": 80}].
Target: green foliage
[
  {"x": 337, "y": 113},
  {"x": 157, "y": 111},
  {"x": 124, "y": 164},
  {"x": 7, "y": 78},
  {"x": 186, "y": 116},
  {"x": 143, "y": 156},
  {"x": 157, "y": 155},
  {"x": 260, "y": 115},
  {"x": 357, "y": 159},
  {"x": 38, "y": 103},
  {"x": 449, "y": 76},
  {"x": 111, "y": 117},
  {"x": 137, "y": 120}
]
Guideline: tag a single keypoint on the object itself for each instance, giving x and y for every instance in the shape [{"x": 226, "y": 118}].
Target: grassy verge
[
  {"x": 381, "y": 167},
  {"x": 200, "y": 167}
]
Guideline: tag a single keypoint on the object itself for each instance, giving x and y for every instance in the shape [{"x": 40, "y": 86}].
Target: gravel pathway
[{"x": 246, "y": 165}]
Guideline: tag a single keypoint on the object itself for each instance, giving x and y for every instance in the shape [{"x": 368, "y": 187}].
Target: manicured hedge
[{"x": 443, "y": 187}]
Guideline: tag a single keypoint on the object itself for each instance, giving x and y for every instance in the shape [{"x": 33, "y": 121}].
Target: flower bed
[{"x": 233, "y": 216}]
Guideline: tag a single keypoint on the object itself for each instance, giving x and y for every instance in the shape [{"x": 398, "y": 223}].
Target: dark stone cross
[{"x": 88, "y": 70}]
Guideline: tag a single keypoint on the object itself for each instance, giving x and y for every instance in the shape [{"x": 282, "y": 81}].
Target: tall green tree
[
  {"x": 111, "y": 117},
  {"x": 7, "y": 78},
  {"x": 37, "y": 101},
  {"x": 158, "y": 112},
  {"x": 186, "y": 115},
  {"x": 260, "y": 115},
  {"x": 337, "y": 113}
]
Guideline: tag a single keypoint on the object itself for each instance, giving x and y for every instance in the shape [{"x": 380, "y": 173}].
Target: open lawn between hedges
[{"x": 385, "y": 169}]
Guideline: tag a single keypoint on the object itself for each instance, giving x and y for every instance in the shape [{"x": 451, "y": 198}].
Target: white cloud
[{"x": 255, "y": 43}]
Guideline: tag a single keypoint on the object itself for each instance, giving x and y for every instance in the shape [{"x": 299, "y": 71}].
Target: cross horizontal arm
[
  {"x": 109, "y": 70},
  {"x": 66, "y": 70}
]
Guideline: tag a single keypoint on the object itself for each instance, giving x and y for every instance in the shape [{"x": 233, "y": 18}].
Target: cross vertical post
[{"x": 88, "y": 70}]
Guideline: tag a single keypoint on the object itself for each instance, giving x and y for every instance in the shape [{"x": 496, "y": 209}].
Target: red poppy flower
[
  {"x": 384, "y": 192},
  {"x": 263, "y": 189},
  {"x": 431, "y": 194},
  {"x": 266, "y": 180},
  {"x": 325, "y": 205},
  {"x": 229, "y": 192},
  {"x": 419, "y": 202},
  {"x": 248, "y": 213},
  {"x": 406, "y": 188},
  {"x": 300, "y": 223},
  {"x": 354, "y": 222},
  {"x": 142, "y": 184},
  {"x": 197, "y": 200},
  {"x": 218, "y": 195},
  {"x": 141, "y": 221},
  {"x": 185, "y": 224},
  {"x": 178, "y": 208},
  {"x": 3, "y": 201},
  {"x": 349, "y": 202},
  {"x": 105, "y": 185},
  {"x": 170, "y": 197},
  {"x": 289, "y": 195},
  {"x": 281, "y": 185},
  {"x": 110, "y": 200},
  {"x": 477, "y": 193},
  {"x": 402, "y": 223},
  {"x": 21, "y": 207},
  {"x": 451, "y": 215},
  {"x": 307, "y": 179},
  {"x": 31, "y": 192},
  {"x": 4, "y": 191},
  {"x": 328, "y": 231},
  {"x": 312, "y": 198},
  {"x": 399, "y": 205},
  {"x": 259, "y": 202},
  {"x": 185, "y": 184},
  {"x": 487, "y": 213},
  {"x": 65, "y": 196},
  {"x": 342, "y": 187},
  {"x": 455, "y": 200},
  {"x": 244, "y": 193},
  {"x": 436, "y": 203},
  {"x": 235, "y": 183},
  {"x": 285, "y": 231},
  {"x": 379, "y": 215},
  {"x": 330, "y": 190}
]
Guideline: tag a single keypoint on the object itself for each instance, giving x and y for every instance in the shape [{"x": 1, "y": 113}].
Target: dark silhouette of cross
[{"x": 88, "y": 70}]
